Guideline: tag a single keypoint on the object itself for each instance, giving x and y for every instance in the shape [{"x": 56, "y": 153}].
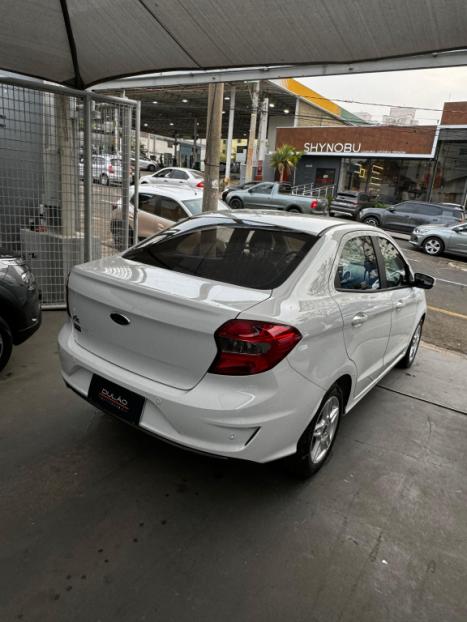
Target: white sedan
[
  {"x": 243, "y": 334},
  {"x": 176, "y": 176}
]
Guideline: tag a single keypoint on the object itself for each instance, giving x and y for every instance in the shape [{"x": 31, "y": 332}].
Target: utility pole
[
  {"x": 228, "y": 154},
  {"x": 262, "y": 137},
  {"x": 251, "y": 137},
  {"x": 213, "y": 144}
]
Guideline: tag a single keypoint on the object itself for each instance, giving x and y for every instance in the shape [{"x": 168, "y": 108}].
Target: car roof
[
  {"x": 448, "y": 206},
  {"x": 180, "y": 168},
  {"x": 182, "y": 193},
  {"x": 305, "y": 223}
]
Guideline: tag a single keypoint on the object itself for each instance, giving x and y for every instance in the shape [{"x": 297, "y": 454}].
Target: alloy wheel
[
  {"x": 373, "y": 222},
  {"x": 325, "y": 429},
  {"x": 432, "y": 246}
]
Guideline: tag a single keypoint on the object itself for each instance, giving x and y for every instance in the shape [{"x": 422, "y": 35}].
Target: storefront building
[{"x": 393, "y": 163}]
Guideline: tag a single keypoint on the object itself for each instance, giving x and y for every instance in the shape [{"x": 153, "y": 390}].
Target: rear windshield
[
  {"x": 249, "y": 256},
  {"x": 196, "y": 174}
]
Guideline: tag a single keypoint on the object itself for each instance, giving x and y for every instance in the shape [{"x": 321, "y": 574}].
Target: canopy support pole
[
  {"x": 252, "y": 136},
  {"x": 213, "y": 139},
  {"x": 228, "y": 149}
]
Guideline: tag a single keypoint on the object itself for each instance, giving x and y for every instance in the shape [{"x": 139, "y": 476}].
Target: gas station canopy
[{"x": 84, "y": 42}]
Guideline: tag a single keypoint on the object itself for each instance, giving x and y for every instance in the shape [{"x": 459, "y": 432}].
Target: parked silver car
[
  {"x": 106, "y": 169},
  {"x": 435, "y": 240},
  {"x": 175, "y": 176}
]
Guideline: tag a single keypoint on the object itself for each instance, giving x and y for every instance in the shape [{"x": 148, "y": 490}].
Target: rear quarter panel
[{"x": 304, "y": 302}]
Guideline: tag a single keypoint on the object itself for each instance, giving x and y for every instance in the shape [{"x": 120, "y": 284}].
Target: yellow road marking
[{"x": 446, "y": 312}]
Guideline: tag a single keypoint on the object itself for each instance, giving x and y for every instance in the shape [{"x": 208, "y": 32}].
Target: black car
[
  {"x": 20, "y": 308},
  {"x": 410, "y": 214},
  {"x": 350, "y": 203}
]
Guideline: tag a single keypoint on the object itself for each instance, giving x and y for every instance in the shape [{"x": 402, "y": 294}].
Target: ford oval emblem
[{"x": 118, "y": 318}]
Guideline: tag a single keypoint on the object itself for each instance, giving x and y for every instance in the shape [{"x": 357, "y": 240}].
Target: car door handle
[
  {"x": 400, "y": 304},
  {"x": 359, "y": 319}
]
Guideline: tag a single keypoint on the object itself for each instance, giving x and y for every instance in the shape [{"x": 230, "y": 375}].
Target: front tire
[
  {"x": 433, "y": 246},
  {"x": 411, "y": 353},
  {"x": 235, "y": 203},
  {"x": 6, "y": 343},
  {"x": 315, "y": 444},
  {"x": 104, "y": 180}
]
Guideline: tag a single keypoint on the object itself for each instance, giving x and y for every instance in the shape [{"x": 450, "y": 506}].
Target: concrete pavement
[{"x": 102, "y": 523}]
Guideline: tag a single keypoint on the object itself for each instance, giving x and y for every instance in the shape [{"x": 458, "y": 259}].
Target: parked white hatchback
[{"x": 243, "y": 334}]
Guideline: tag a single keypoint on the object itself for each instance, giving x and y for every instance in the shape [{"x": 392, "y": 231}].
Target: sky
[{"x": 425, "y": 88}]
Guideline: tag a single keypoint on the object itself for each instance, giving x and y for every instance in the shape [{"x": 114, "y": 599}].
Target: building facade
[{"x": 393, "y": 163}]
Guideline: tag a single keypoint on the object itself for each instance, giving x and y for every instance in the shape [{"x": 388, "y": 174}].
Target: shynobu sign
[{"x": 332, "y": 147}]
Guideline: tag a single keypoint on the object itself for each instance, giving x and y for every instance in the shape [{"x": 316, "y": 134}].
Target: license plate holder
[{"x": 115, "y": 400}]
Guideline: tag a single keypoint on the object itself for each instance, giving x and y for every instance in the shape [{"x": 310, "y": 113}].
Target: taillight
[
  {"x": 200, "y": 184},
  {"x": 246, "y": 347},
  {"x": 314, "y": 204},
  {"x": 110, "y": 168}
]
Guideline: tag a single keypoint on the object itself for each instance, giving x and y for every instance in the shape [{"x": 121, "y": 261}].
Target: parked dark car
[
  {"x": 245, "y": 186},
  {"x": 350, "y": 203},
  {"x": 410, "y": 214},
  {"x": 20, "y": 309}
]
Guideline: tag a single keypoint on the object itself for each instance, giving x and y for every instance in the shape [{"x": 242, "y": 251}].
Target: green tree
[{"x": 284, "y": 160}]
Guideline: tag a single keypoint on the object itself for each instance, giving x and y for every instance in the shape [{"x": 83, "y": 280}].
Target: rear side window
[
  {"x": 429, "y": 210},
  {"x": 253, "y": 257},
  {"x": 358, "y": 266}
]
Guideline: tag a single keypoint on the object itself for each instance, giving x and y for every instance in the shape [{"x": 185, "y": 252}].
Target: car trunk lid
[{"x": 168, "y": 319}]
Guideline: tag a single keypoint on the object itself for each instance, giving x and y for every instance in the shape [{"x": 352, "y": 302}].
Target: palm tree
[{"x": 285, "y": 159}]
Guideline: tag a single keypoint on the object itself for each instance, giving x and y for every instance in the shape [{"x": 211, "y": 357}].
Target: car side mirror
[
  {"x": 423, "y": 281},
  {"x": 391, "y": 208}
]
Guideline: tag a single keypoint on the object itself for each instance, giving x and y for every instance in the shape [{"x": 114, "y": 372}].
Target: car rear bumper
[{"x": 258, "y": 418}]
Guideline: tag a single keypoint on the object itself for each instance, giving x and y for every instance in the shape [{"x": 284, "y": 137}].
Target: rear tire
[
  {"x": 433, "y": 246},
  {"x": 372, "y": 221},
  {"x": 295, "y": 210},
  {"x": 236, "y": 203},
  {"x": 6, "y": 343},
  {"x": 411, "y": 353},
  {"x": 315, "y": 444}
]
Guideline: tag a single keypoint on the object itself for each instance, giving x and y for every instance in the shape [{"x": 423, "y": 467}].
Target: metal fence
[{"x": 66, "y": 163}]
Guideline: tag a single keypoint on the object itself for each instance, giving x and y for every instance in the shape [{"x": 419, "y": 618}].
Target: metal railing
[
  {"x": 310, "y": 190},
  {"x": 60, "y": 173}
]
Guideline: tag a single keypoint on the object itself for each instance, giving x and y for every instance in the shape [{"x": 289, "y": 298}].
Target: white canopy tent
[{"x": 84, "y": 42}]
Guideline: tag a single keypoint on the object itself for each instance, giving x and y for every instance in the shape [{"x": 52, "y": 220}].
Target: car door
[
  {"x": 427, "y": 214},
  {"x": 365, "y": 307},
  {"x": 177, "y": 177},
  {"x": 401, "y": 217},
  {"x": 404, "y": 298},
  {"x": 458, "y": 240},
  {"x": 149, "y": 220},
  {"x": 259, "y": 196}
]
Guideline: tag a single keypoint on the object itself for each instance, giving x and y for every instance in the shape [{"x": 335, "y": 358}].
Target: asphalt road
[{"x": 446, "y": 323}]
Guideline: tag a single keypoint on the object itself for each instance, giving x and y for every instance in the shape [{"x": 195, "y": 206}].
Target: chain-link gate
[{"x": 67, "y": 159}]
